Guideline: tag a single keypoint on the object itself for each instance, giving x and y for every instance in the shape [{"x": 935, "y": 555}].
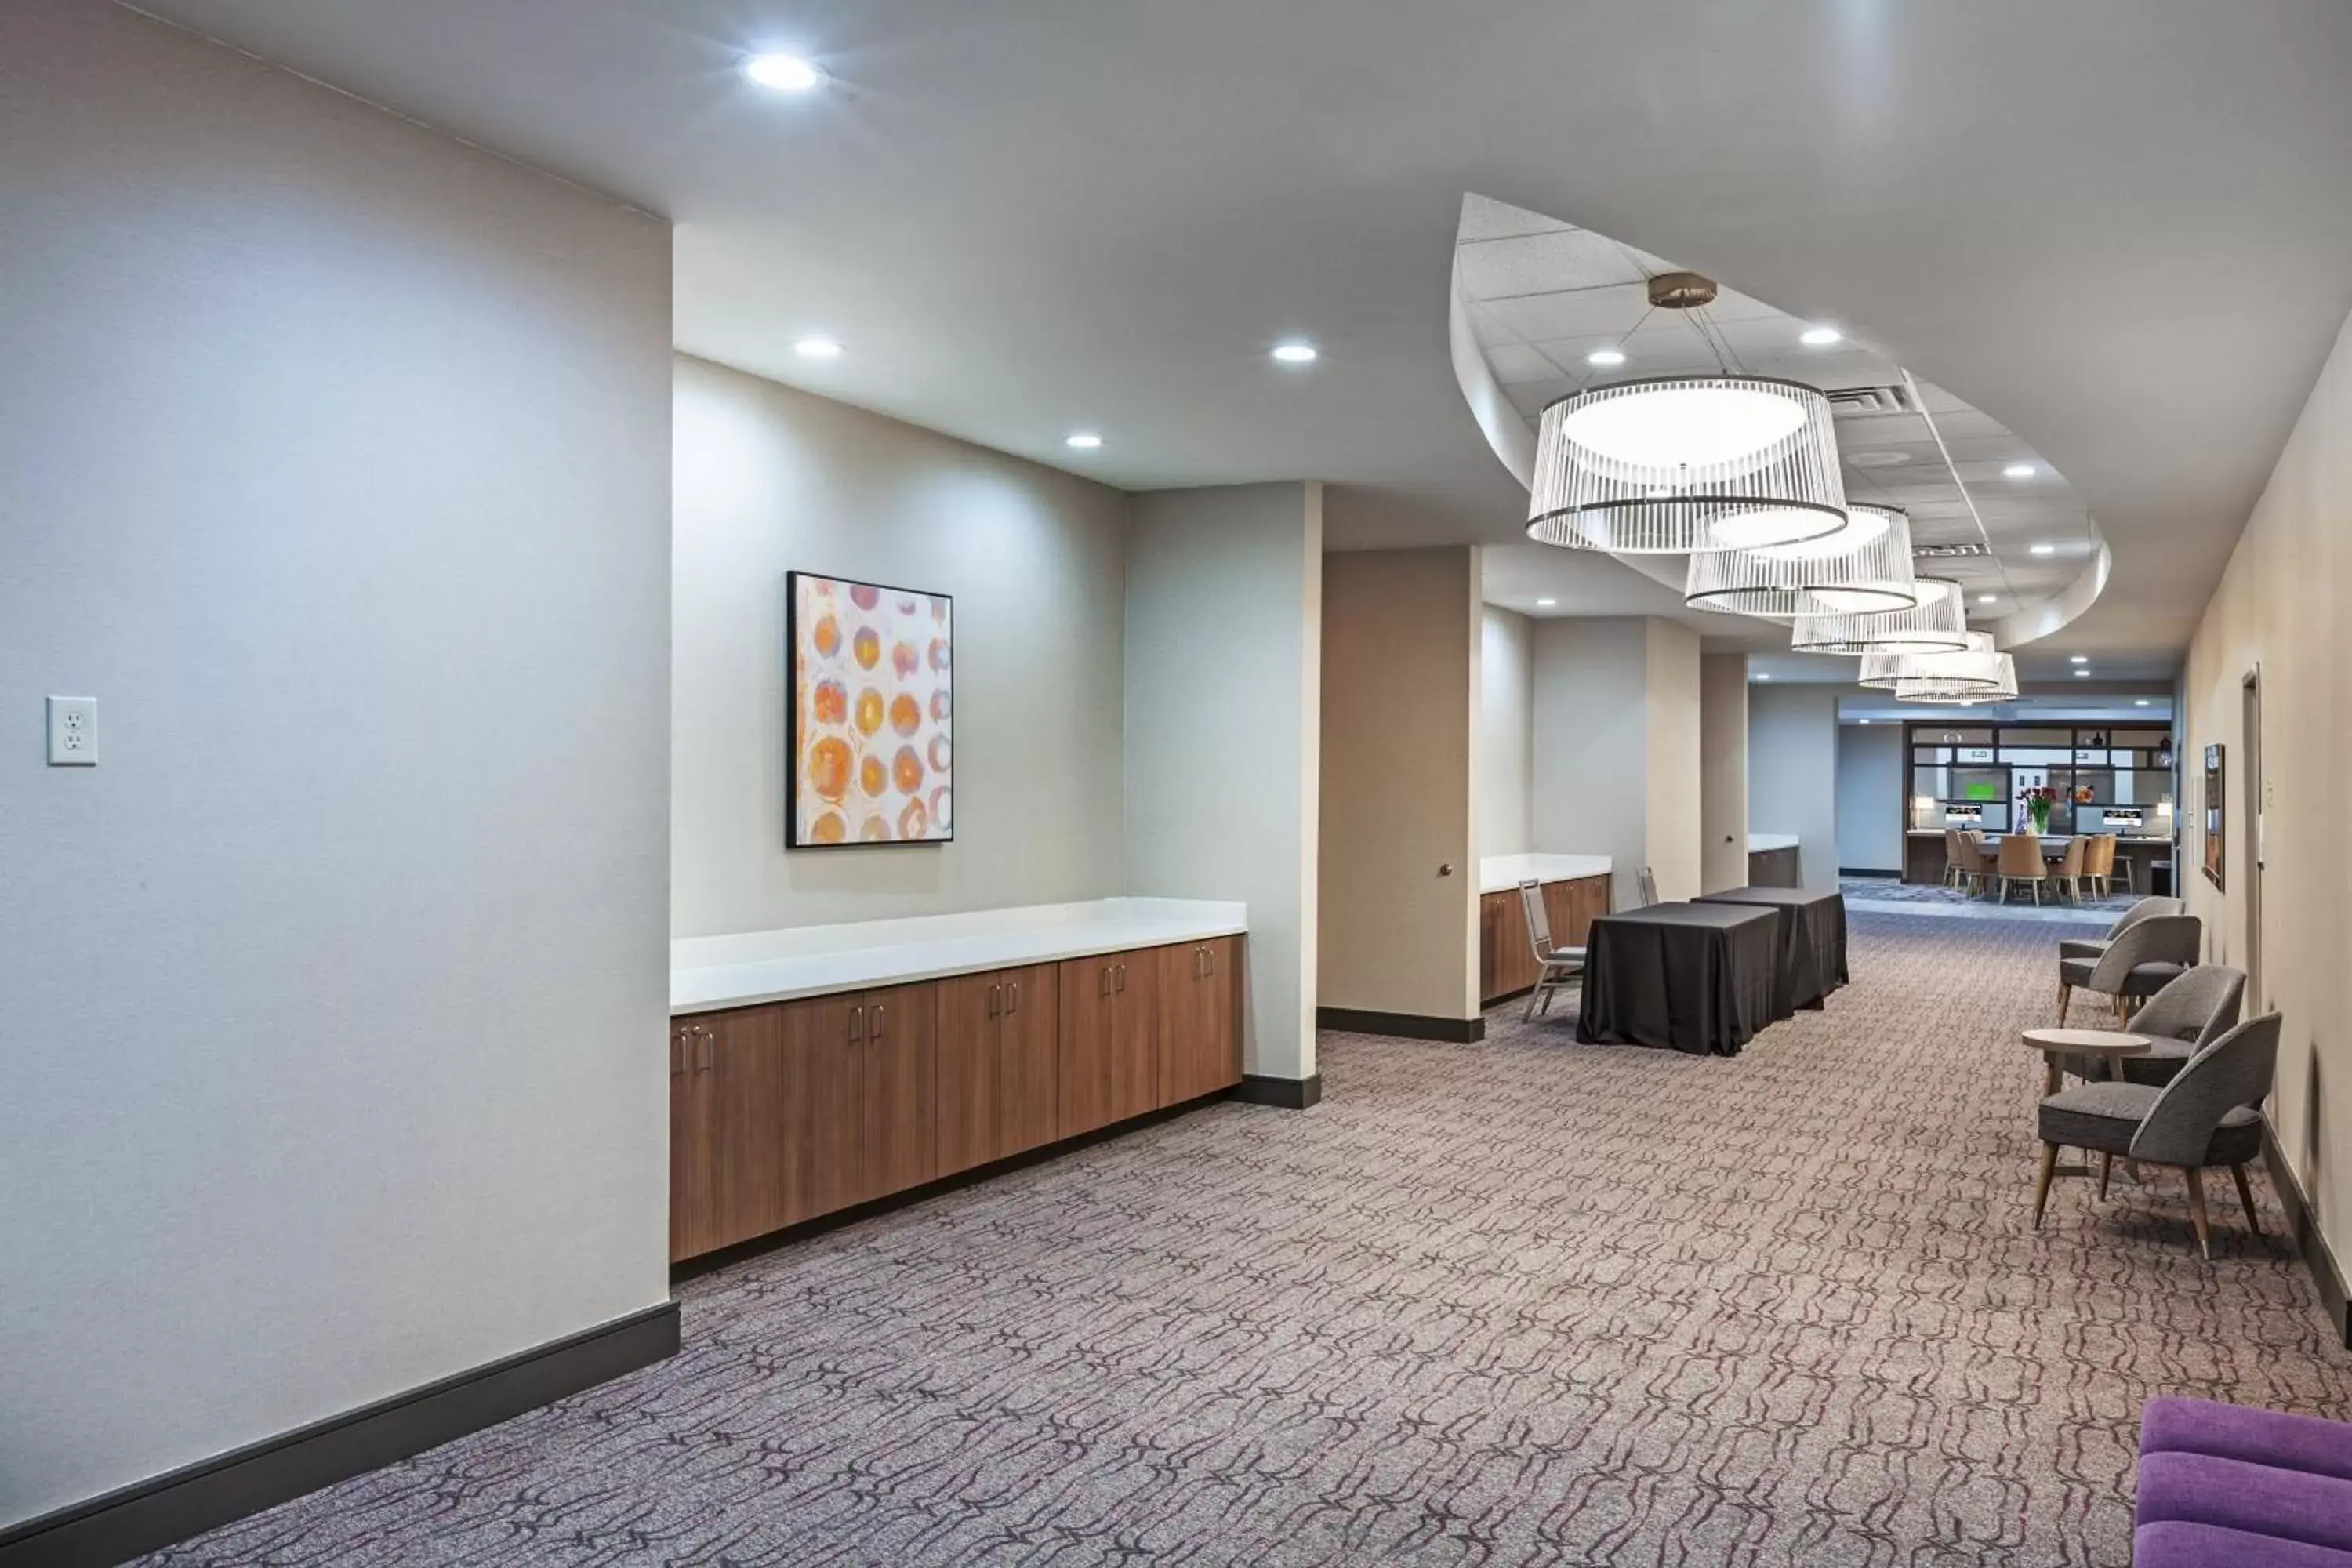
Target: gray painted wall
[
  {"x": 1505, "y": 731},
  {"x": 1224, "y": 635},
  {"x": 1792, "y": 771},
  {"x": 1869, "y": 796},
  {"x": 1590, "y": 745},
  {"x": 770, "y": 480},
  {"x": 334, "y": 462}
]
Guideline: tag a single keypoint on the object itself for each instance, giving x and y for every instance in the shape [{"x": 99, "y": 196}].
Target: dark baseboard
[
  {"x": 184, "y": 1502},
  {"x": 1285, "y": 1093},
  {"x": 1861, "y": 875},
  {"x": 1405, "y": 1025},
  {"x": 2333, "y": 1294}
]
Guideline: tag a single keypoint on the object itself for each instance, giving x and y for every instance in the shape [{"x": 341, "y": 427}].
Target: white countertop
[
  {"x": 707, "y": 973},
  {"x": 1760, "y": 842},
  {"x": 1501, "y": 873}
]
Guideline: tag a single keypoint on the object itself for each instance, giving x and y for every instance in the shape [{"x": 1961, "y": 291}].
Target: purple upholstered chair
[{"x": 2224, "y": 1487}]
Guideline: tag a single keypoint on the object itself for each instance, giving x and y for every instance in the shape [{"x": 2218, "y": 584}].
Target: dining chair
[
  {"x": 2099, "y": 864},
  {"x": 2210, "y": 1114},
  {"x": 2147, "y": 956},
  {"x": 1646, "y": 889},
  {"x": 2192, "y": 1011},
  {"x": 2070, "y": 868},
  {"x": 1555, "y": 966},
  {"x": 2021, "y": 861},
  {"x": 1956, "y": 859}
]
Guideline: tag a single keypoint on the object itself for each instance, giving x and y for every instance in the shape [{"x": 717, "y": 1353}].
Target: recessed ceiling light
[
  {"x": 1295, "y": 353},
  {"x": 1879, "y": 460},
  {"x": 2043, "y": 550},
  {"x": 1546, "y": 603},
  {"x": 1986, "y": 599},
  {"x": 2078, "y": 659},
  {"x": 2020, "y": 471},
  {"x": 2139, "y": 701},
  {"x": 1084, "y": 440},
  {"x": 1605, "y": 357},
  {"x": 1764, "y": 675},
  {"x": 1865, "y": 720},
  {"x": 786, "y": 73},
  {"x": 2082, "y": 675},
  {"x": 1820, "y": 337},
  {"x": 818, "y": 348}
]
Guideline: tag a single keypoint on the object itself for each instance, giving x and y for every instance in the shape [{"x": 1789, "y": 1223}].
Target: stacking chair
[
  {"x": 2210, "y": 1114},
  {"x": 2188, "y": 1014},
  {"x": 1555, "y": 966},
  {"x": 2070, "y": 868},
  {"x": 1646, "y": 886},
  {"x": 2021, "y": 861},
  {"x": 2137, "y": 965},
  {"x": 2099, "y": 864}
]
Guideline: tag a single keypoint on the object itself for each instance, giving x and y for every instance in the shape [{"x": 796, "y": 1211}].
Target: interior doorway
[{"x": 2249, "y": 784}]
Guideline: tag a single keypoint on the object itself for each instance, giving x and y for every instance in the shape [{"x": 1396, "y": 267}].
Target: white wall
[
  {"x": 1722, "y": 769},
  {"x": 334, "y": 462},
  {"x": 1792, "y": 771},
  {"x": 2279, "y": 606},
  {"x": 1673, "y": 790},
  {"x": 1505, "y": 731},
  {"x": 1398, "y": 884},
  {"x": 1870, "y": 797},
  {"x": 1224, "y": 593},
  {"x": 769, "y": 481}
]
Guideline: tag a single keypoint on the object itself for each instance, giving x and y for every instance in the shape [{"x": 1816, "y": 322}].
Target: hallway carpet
[{"x": 1525, "y": 1302}]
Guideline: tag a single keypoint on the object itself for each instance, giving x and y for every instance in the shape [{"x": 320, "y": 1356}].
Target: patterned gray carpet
[{"x": 1520, "y": 1302}]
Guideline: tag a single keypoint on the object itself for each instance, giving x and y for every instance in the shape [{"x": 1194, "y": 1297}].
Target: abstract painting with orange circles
[{"x": 873, "y": 673}]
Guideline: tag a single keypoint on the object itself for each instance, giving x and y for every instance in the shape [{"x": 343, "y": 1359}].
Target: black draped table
[
  {"x": 1812, "y": 939},
  {"x": 1702, "y": 978}
]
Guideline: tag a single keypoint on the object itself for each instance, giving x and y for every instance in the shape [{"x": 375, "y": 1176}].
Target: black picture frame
[{"x": 793, "y": 783}]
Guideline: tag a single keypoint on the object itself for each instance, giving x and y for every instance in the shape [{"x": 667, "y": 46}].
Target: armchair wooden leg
[
  {"x": 2066, "y": 995},
  {"x": 2246, "y": 1197},
  {"x": 2196, "y": 1210},
  {"x": 2106, "y": 1169},
  {"x": 2042, "y": 1182}
]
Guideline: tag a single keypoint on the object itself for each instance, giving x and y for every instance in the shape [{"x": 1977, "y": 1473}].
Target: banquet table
[
  {"x": 1812, "y": 939},
  {"x": 1701, "y": 978}
]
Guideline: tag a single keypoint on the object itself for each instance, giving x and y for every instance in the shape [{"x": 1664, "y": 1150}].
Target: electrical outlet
[{"x": 73, "y": 732}]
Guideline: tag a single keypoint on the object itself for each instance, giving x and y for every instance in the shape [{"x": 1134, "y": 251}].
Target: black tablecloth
[
  {"x": 1812, "y": 939},
  {"x": 1702, "y": 978}
]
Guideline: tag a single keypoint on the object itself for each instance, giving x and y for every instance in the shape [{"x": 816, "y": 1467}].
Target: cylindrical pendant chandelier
[
  {"x": 1935, "y": 625},
  {"x": 1887, "y": 670},
  {"x": 1686, "y": 464},
  {"x": 1976, "y": 674},
  {"x": 1863, "y": 568}
]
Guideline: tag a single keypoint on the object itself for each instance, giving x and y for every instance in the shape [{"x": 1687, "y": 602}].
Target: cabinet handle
[
  {"x": 1121, "y": 985},
  {"x": 1015, "y": 1004},
  {"x": 1106, "y": 979},
  {"x": 1209, "y": 961},
  {"x": 995, "y": 1000},
  {"x": 856, "y": 1025},
  {"x": 677, "y": 1053},
  {"x": 707, "y": 1041},
  {"x": 873, "y": 1035}
]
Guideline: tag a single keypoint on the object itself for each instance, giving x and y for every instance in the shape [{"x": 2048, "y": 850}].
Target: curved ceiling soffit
[{"x": 1511, "y": 436}]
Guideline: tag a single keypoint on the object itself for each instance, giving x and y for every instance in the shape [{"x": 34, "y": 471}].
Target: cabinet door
[
  {"x": 1222, "y": 1058},
  {"x": 1200, "y": 1040},
  {"x": 751, "y": 1082},
  {"x": 900, "y": 1099},
  {"x": 1134, "y": 1034},
  {"x": 825, "y": 1037},
  {"x": 1029, "y": 1060},
  {"x": 1088, "y": 1007},
  {"x": 1588, "y": 900},
  {"x": 693, "y": 1143},
  {"x": 1490, "y": 946},
  {"x": 970, "y": 1071},
  {"x": 1515, "y": 962}
]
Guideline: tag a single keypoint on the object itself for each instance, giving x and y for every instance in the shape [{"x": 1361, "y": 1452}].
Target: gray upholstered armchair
[
  {"x": 2210, "y": 1114},
  {"x": 2192, "y": 1012},
  {"x": 2147, "y": 909},
  {"x": 2146, "y": 957}
]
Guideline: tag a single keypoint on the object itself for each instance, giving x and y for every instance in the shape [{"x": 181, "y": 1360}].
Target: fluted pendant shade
[
  {"x": 1976, "y": 674},
  {"x": 1861, "y": 568},
  {"x": 1686, "y": 464},
  {"x": 1933, "y": 624},
  {"x": 1886, "y": 671}
]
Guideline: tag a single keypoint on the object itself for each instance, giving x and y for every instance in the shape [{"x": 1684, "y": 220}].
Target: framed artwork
[
  {"x": 873, "y": 683},
  {"x": 2215, "y": 834}
]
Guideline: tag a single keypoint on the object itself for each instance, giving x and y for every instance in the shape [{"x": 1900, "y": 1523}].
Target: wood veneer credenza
[
  {"x": 1506, "y": 963},
  {"x": 785, "y": 1111}
]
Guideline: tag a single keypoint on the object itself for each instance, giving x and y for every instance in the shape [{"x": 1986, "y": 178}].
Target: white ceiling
[{"x": 2116, "y": 226}]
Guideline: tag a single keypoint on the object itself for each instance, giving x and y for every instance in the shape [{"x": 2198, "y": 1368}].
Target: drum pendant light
[
  {"x": 1671, "y": 464},
  {"x": 1935, "y": 625},
  {"x": 1863, "y": 568}
]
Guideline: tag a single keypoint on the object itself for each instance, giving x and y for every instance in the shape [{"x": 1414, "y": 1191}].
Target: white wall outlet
[{"x": 73, "y": 732}]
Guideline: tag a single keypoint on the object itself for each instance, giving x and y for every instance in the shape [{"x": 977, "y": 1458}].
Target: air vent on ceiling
[
  {"x": 1858, "y": 401},
  {"x": 1948, "y": 552}
]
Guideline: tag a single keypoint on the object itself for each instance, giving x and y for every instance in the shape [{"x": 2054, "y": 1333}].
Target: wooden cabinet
[
  {"x": 1507, "y": 960},
  {"x": 1111, "y": 1041},
  {"x": 1200, "y": 1020},
  {"x": 1571, "y": 907},
  {"x": 786, "y": 1112}
]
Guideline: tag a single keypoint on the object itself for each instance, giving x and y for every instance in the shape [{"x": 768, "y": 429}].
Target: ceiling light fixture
[
  {"x": 1295, "y": 353},
  {"x": 1606, "y": 358},
  {"x": 1970, "y": 675},
  {"x": 784, "y": 73},
  {"x": 2078, "y": 659},
  {"x": 1670, "y": 465},
  {"x": 1765, "y": 675},
  {"x": 2082, "y": 675},
  {"x": 2139, "y": 701},
  {"x": 2043, "y": 549},
  {"x": 818, "y": 348},
  {"x": 1084, "y": 440},
  {"x": 1933, "y": 625},
  {"x": 1986, "y": 599},
  {"x": 1820, "y": 337},
  {"x": 1546, "y": 603},
  {"x": 1863, "y": 567},
  {"x": 2020, "y": 471}
]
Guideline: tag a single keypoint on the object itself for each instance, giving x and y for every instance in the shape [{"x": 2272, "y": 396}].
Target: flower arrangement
[{"x": 2038, "y": 800}]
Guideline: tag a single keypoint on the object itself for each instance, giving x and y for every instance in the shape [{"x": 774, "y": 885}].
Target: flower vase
[{"x": 2040, "y": 822}]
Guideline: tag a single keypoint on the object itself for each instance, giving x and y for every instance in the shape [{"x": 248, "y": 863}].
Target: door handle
[{"x": 856, "y": 1025}]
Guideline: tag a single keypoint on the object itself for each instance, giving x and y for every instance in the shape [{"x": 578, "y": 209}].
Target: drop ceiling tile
[
  {"x": 1488, "y": 328},
  {"x": 1519, "y": 361},
  {"x": 1544, "y": 263},
  {"x": 1529, "y": 396},
  {"x": 1579, "y": 313},
  {"x": 1483, "y": 217}
]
